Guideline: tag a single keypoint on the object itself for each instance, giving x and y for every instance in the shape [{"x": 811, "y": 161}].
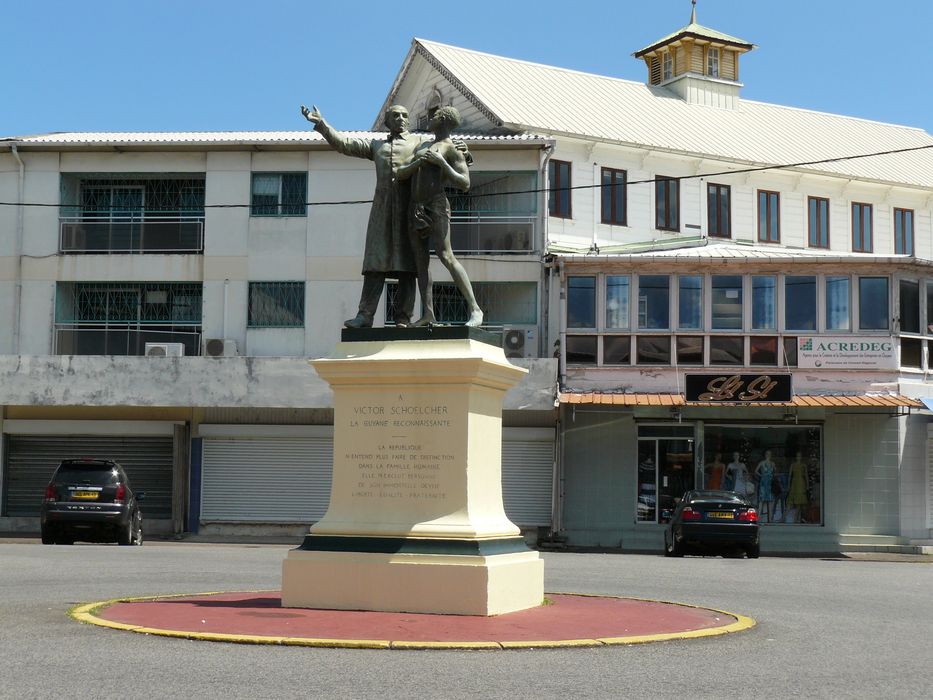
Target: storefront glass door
[{"x": 665, "y": 469}]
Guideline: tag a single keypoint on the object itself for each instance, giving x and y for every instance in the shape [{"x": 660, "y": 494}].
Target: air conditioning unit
[
  {"x": 165, "y": 350},
  {"x": 220, "y": 347},
  {"x": 519, "y": 342}
]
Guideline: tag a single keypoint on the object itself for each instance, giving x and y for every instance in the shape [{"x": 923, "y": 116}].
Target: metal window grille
[
  {"x": 502, "y": 303},
  {"x": 132, "y": 213},
  {"x": 114, "y": 318},
  {"x": 276, "y": 304},
  {"x": 129, "y": 303},
  {"x": 279, "y": 194},
  {"x": 105, "y": 195}
]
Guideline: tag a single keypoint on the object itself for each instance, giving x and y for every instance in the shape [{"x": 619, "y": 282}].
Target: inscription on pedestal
[{"x": 404, "y": 456}]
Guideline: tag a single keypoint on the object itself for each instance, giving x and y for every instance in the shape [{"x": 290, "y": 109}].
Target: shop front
[{"x": 819, "y": 469}]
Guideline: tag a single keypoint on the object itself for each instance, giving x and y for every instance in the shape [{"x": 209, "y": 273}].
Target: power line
[{"x": 474, "y": 195}]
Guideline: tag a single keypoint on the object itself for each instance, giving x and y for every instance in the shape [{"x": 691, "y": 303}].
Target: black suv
[{"x": 91, "y": 500}]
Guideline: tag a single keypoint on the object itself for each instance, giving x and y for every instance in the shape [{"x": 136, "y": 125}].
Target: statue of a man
[
  {"x": 438, "y": 164},
  {"x": 388, "y": 251}
]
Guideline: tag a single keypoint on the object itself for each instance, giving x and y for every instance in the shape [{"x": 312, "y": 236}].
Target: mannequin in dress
[
  {"x": 715, "y": 473},
  {"x": 765, "y": 473},
  {"x": 737, "y": 474},
  {"x": 797, "y": 491}
]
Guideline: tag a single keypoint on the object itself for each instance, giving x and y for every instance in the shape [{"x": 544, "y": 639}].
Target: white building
[
  {"x": 686, "y": 235},
  {"x": 695, "y": 235},
  {"x": 161, "y": 293}
]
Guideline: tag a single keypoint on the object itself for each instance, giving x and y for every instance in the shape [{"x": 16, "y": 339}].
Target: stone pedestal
[{"x": 415, "y": 522}]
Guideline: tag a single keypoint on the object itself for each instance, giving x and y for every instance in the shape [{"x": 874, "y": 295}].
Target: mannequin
[
  {"x": 737, "y": 475},
  {"x": 765, "y": 473},
  {"x": 797, "y": 491},
  {"x": 715, "y": 473}
]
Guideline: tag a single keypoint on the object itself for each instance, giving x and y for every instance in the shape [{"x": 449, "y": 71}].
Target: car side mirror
[{"x": 140, "y": 496}]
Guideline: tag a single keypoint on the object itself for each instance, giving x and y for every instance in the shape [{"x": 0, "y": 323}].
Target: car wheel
[
  {"x": 138, "y": 532},
  {"x": 753, "y": 550},
  {"x": 125, "y": 534},
  {"x": 48, "y": 535}
]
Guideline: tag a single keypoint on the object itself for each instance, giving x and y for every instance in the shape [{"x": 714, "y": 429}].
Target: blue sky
[{"x": 207, "y": 65}]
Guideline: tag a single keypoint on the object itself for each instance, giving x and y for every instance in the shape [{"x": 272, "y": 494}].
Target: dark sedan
[
  {"x": 712, "y": 522},
  {"x": 91, "y": 500}
]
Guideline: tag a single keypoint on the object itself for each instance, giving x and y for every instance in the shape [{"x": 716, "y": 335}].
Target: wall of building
[
  {"x": 587, "y": 158},
  {"x": 226, "y": 382},
  {"x": 862, "y": 471},
  {"x": 598, "y": 474},
  {"x": 913, "y": 490}
]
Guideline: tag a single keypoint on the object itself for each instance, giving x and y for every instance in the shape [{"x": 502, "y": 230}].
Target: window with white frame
[
  {"x": 733, "y": 320},
  {"x": 712, "y": 62}
]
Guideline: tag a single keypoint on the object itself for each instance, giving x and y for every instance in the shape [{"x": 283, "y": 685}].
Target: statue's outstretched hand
[{"x": 312, "y": 115}]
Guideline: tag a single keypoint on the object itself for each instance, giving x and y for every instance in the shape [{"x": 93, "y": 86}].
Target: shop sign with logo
[
  {"x": 846, "y": 352},
  {"x": 738, "y": 388}
]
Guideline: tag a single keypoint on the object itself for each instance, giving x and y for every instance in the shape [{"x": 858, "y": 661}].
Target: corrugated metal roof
[
  {"x": 729, "y": 251},
  {"x": 534, "y": 97},
  {"x": 799, "y": 401},
  {"x": 207, "y": 138}
]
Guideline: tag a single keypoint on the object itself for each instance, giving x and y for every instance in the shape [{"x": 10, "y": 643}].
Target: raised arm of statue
[{"x": 357, "y": 148}]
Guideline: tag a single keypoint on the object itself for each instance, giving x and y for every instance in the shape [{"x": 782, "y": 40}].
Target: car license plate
[
  {"x": 85, "y": 495},
  {"x": 721, "y": 515}
]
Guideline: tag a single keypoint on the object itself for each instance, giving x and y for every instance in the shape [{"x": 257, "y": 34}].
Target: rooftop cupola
[{"x": 697, "y": 63}]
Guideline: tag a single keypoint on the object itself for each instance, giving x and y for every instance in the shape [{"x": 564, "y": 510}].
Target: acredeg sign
[
  {"x": 738, "y": 388},
  {"x": 846, "y": 352}
]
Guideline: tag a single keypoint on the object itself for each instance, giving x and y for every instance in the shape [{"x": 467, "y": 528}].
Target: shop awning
[{"x": 800, "y": 401}]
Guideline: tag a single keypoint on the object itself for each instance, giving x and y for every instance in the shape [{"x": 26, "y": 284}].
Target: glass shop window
[
  {"x": 581, "y": 302},
  {"x": 618, "y": 291},
  {"x": 837, "y": 304},
  {"x": 581, "y": 349},
  {"x": 617, "y": 350},
  {"x": 727, "y": 302},
  {"x": 654, "y": 302},
  {"x": 764, "y": 303},
  {"x": 873, "y": 304},
  {"x": 779, "y": 467},
  {"x": 690, "y": 308},
  {"x": 910, "y": 306},
  {"x": 800, "y": 302},
  {"x": 690, "y": 350}
]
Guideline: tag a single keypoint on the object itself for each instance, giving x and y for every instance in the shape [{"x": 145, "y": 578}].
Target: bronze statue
[
  {"x": 437, "y": 164},
  {"x": 388, "y": 250}
]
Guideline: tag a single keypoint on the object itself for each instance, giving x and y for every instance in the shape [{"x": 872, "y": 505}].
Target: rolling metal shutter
[
  {"x": 31, "y": 460},
  {"x": 527, "y": 481},
  {"x": 266, "y": 480}
]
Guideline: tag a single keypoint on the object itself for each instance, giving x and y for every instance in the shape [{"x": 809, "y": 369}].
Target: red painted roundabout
[{"x": 257, "y": 617}]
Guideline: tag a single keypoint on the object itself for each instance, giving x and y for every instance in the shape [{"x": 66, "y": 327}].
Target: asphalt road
[{"x": 826, "y": 628}]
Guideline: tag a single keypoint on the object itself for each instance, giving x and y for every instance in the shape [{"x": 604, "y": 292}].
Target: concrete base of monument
[
  {"x": 416, "y": 521},
  {"x": 452, "y": 584}
]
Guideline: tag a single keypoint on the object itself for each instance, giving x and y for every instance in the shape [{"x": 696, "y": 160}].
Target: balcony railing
[
  {"x": 132, "y": 234},
  {"x": 95, "y": 339},
  {"x": 477, "y": 232}
]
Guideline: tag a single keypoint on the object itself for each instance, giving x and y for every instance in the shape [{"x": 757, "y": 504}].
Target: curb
[{"x": 88, "y": 613}]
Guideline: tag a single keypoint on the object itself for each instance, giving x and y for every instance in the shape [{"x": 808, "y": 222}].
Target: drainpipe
[
  {"x": 544, "y": 294},
  {"x": 18, "y": 249},
  {"x": 226, "y": 301}
]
